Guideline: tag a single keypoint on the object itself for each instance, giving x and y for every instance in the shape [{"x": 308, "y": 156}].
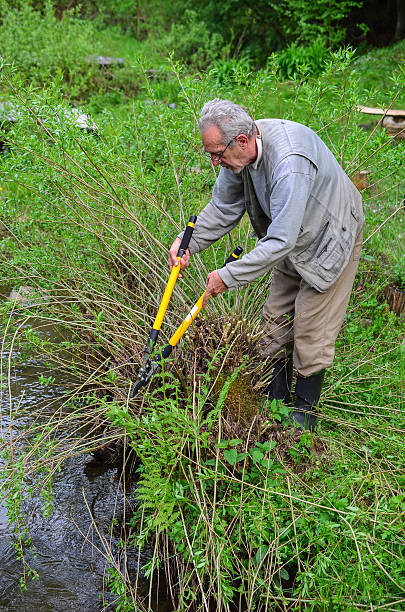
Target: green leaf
[
  {"x": 268, "y": 446},
  {"x": 261, "y": 552},
  {"x": 396, "y": 500},
  {"x": 284, "y": 574},
  {"x": 256, "y": 454},
  {"x": 228, "y": 443},
  {"x": 283, "y": 410},
  {"x": 235, "y": 442},
  {"x": 231, "y": 456},
  {"x": 241, "y": 457},
  {"x": 222, "y": 444},
  {"x": 324, "y": 517}
]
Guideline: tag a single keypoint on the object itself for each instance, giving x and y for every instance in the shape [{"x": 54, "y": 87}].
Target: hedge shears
[{"x": 149, "y": 366}]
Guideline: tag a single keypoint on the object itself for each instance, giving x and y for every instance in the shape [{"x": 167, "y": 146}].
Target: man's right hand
[{"x": 173, "y": 261}]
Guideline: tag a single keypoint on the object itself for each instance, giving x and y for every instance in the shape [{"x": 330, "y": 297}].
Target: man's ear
[{"x": 242, "y": 140}]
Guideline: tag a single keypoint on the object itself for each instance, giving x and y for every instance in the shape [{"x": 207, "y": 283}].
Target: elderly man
[{"x": 307, "y": 216}]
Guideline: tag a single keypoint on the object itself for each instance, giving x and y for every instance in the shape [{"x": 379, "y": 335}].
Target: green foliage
[
  {"x": 227, "y": 510},
  {"x": 320, "y": 19},
  {"x": 301, "y": 451},
  {"x": 298, "y": 59},
  {"x": 255, "y": 29},
  {"x": 398, "y": 273},
  {"x": 46, "y": 380},
  {"x": 196, "y": 32},
  {"x": 116, "y": 585},
  {"x": 278, "y": 409},
  {"x": 43, "y": 47},
  {"x": 271, "y": 517},
  {"x": 375, "y": 70},
  {"x": 54, "y": 38},
  {"x": 190, "y": 40},
  {"x": 231, "y": 71}
]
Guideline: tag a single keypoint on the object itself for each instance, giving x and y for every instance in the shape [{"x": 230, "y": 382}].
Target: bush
[
  {"x": 307, "y": 21},
  {"x": 42, "y": 47},
  {"x": 231, "y": 71},
  {"x": 206, "y": 30},
  {"x": 192, "y": 41}
]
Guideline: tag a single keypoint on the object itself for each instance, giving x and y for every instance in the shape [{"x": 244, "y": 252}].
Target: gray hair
[{"x": 231, "y": 119}]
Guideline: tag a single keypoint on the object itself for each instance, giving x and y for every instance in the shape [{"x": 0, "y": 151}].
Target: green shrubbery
[
  {"x": 192, "y": 40},
  {"x": 47, "y": 38},
  {"x": 298, "y": 59},
  {"x": 233, "y": 511},
  {"x": 43, "y": 48},
  {"x": 302, "y": 31}
]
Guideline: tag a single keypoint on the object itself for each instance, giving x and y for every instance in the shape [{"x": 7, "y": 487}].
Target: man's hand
[
  {"x": 184, "y": 261},
  {"x": 215, "y": 286}
]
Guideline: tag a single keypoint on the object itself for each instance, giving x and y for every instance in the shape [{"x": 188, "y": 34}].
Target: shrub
[
  {"x": 231, "y": 70},
  {"x": 297, "y": 58},
  {"x": 42, "y": 47},
  {"x": 307, "y": 21},
  {"x": 192, "y": 41}
]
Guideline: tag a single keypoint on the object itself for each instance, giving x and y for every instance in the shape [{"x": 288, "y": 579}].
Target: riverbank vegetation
[{"x": 238, "y": 511}]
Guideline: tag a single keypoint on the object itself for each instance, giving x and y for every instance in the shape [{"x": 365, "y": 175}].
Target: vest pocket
[
  {"x": 330, "y": 263},
  {"x": 312, "y": 251}
]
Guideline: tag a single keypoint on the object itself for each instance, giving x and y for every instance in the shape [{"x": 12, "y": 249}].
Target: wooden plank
[{"x": 379, "y": 111}]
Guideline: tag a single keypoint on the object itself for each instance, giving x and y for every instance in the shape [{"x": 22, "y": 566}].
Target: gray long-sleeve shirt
[
  {"x": 293, "y": 180},
  {"x": 313, "y": 210},
  {"x": 294, "y": 177}
]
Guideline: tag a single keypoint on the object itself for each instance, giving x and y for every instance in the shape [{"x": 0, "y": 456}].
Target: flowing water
[{"x": 68, "y": 555}]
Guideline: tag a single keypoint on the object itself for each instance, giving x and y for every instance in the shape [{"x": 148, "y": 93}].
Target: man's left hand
[{"x": 215, "y": 286}]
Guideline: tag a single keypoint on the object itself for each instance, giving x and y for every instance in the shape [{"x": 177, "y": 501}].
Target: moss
[{"x": 241, "y": 404}]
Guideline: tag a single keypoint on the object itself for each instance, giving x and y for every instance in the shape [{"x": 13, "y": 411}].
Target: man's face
[{"x": 234, "y": 155}]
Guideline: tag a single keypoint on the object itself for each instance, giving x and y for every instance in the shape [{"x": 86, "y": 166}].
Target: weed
[{"x": 278, "y": 409}]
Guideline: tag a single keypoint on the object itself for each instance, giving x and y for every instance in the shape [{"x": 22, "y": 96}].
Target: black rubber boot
[
  {"x": 279, "y": 387},
  {"x": 308, "y": 392}
]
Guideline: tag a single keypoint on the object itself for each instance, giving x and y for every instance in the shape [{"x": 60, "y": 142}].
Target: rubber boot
[
  {"x": 280, "y": 384},
  {"x": 307, "y": 391}
]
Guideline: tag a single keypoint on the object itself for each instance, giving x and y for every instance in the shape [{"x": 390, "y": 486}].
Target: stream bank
[{"x": 70, "y": 547}]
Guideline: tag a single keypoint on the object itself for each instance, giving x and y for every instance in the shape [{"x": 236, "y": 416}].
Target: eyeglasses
[{"x": 218, "y": 156}]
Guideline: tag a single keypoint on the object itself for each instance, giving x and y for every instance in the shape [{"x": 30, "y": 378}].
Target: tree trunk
[{"x": 400, "y": 27}]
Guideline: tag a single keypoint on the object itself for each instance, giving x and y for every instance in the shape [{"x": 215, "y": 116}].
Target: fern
[{"x": 156, "y": 496}]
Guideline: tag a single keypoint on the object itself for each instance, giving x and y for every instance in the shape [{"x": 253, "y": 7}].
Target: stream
[{"x": 69, "y": 555}]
